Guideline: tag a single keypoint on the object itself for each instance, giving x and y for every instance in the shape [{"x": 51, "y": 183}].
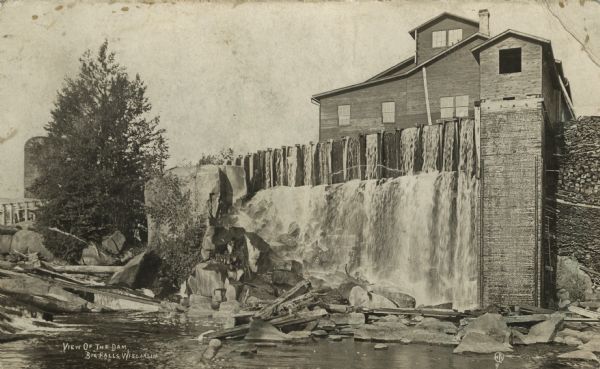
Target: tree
[
  {"x": 221, "y": 158},
  {"x": 101, "y": 149}
]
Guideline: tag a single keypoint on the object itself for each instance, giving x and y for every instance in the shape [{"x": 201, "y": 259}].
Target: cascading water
[
  {"x": 415, "y": 233},
  {"x": 431, "y": 147}
]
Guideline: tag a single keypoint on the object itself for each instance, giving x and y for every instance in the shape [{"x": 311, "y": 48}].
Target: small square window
[
  {"x": 454, "y": 36},
  {"x": 462, "y": 106},
  {"x": 344, "y": 115},
  {"x": 438, "y": 39},
  {"x": 447, "y": 107},
  {"x": 510, "y": 60},
  {"x": 388, "y": 112}
]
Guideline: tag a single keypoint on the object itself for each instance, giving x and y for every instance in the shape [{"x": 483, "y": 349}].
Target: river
[{"x": 167, "y": 340}]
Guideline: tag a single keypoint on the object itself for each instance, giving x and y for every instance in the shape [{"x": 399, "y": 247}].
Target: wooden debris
[
  {"x": 269, "y": 309},
  {"x": 584, "y": 312},
  {"x": 528, "y": 309},
  {"x": 86, "y": 269},
  {"x": 439, "y": 313},
  {"x": 532, "y": 318}
]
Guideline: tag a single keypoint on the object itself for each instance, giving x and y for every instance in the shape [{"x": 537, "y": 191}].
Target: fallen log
[
  {"x": 269, "y": 309},
  {"x": 279, "y": 322},
  {"x": 584, "y": 312},
  {"x": 297, "y": 303},
  {"x": 87, "y": 269},
  {"x": 528, "y": 309},
  {"x": 518, "y": 319},
  {"x": 443, "y": 313}
]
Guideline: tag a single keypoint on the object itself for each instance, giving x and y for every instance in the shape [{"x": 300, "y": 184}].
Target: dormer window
[
  {"x": 454, "y": 36},
  {"x": 438, "y": 39}
]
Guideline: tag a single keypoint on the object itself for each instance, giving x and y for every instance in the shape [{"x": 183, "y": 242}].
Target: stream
[{"x": 167, "y": 340}]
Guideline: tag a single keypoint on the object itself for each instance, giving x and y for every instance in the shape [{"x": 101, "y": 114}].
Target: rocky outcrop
[
  {"x": 359, "y": 297},
  {"x": 113, "y": 243},
  {"x": 543, "y": 332},
  {"x": 486, "y": 334},
  {"x": 139, "y": 272},
  {"x": 30, "y": 242},
  {"x": 92, "y": 256}
]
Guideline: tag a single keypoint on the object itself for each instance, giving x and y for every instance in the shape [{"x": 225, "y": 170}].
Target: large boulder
[
  {"x": 30, "y": 242},
  {"x": 543, "y": 332},
  {"x": 491, "y": 325},
  {"x": 359, "y": 297},
  {"x": 139, "y": 272},
  {"x": 583, "y": 355},
  {"x": 92, "y": 256},
  {"x": 475, "y": 342},
  {"x": 114, "y": 242},
  {"x": 572, "y": 279},
  {"x": 206, "y": 279},
  {"x": 399, "y": 298}
]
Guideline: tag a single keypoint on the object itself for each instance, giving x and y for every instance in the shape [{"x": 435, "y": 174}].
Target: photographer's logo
[{"x": 498, "y": 358}]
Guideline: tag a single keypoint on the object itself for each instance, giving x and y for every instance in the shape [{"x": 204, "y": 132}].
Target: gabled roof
[
  {"x": 427, "y": 62},
  {"x": 392, "y": 69},
  {"x": 443, "y": 15},
  {"x": 509, "y": 32}
]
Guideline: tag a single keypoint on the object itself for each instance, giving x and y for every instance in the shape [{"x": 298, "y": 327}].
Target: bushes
[
  {"x": 179, "y": 240},
  {"x": 61, "y": 245}
]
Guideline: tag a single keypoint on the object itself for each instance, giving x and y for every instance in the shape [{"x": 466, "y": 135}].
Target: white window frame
[
  {"x": 388, "y": 112},
  {"x": 447, "y": 107},
  {"x": 344, "y": 115},
  {"x": 455, "y": 36},
  {"x": 462, "y": 106},
  {"x": 438, "y": 39}
]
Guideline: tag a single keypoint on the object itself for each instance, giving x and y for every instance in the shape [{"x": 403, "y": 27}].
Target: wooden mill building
[{"x": 456, "y": 64}]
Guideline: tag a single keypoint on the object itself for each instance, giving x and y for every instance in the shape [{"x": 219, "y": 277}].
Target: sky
[{"x": 241, "y": 74}]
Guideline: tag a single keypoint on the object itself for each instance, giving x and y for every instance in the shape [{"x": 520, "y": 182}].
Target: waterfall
[
  {"x": 268, "y": 169},
  {"x": 292, "y": 165},
  {"x": 431, "y": 142},
  {"x": 373, "y": 154},
  {"x": 308, "y": 158},
  {"x": 408, "y": 147},
  {"x": 415, "y": 233}
]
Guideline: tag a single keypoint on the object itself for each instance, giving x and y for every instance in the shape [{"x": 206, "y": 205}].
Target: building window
[
  {"x": 510, "y": 60},
  {"x": 438, "y": 39},
  {"x": 344, "y": 115},
  {"x": 454, "y": 36},
  {"x": 462, "y": 106},
  {"x": 388, "y": 112},
  {"x": 447, "y": 107}
]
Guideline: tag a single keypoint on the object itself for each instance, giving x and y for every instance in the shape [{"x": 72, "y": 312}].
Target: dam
[{"x": 449, "y": 212}]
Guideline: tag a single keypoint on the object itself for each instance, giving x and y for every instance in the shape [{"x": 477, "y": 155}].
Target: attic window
[
  {"x": 438, "y": 39},
  {"x": 454, "y": 36},
  {"x": 510, "y": 60},
  {"x": 344, "y": 115}
]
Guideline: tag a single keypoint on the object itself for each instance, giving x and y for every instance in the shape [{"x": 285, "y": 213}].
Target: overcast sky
[{"x": 241, "y": 75}]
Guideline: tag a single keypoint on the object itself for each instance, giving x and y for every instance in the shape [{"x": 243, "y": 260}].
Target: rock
[
  {"x": 206, "y": 279},
  {"x": 326, "y": 324},
  {"x": 572, "y": 279},
  {"x": 492, "y": 325},
  {"x": 438, "y": 325},
  {"x": 579, "y": 355},
  {"x": 286, "y": 278},
  {"x": 92, "y": 256},
  {"x": 359, "y": 297},
  {"x": 30, "y": 242},
  {"x": 347, "y": 331},
  {"x": 211, "y": 351},
  {"x": 417, "y": 318},
  {"x": 319, "y": 333},
  {"x": 139, "y": 272},
  {"x": 382, "y": 333},
  {"x": 592, "y": 345},
  {"x": 354, "y": 319},
  {"x": 230, "y": 306},
  {"x": 571, "y": 341},
  {"x": 113, "y": 243},
  {"x": 583, "y": 336},
  {"x": 231, "y": 292},
  {"x": 259, "y": 290},
  {"x": 380, "y": 346},
  {"x": 247, "y": 350},
  {"x": 479, "y": 343},
  {"x": 400, "y": 299},
  {"x": 5, "y": 241},
  {"x": 224, "y": 318},
  {"x": 543, "y": 332},
  {"x": 335, "y": 337},
  {"x": 564, "y": 304},
  {"x": 263, "y": 331},
  {"x": 265, "y": 344}
]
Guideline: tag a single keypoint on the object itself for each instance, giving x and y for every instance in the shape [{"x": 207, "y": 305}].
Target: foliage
[
  {"x": 62, "y": 246},
  {"x": 221, "y": 158},
  {"x": 180, "y": 234},
  {"x": 101, "y": 149}
]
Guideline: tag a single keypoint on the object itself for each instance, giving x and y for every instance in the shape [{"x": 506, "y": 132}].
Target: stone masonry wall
[
  {"x": 511, "y": 180},
  {"x": 577, "y": 230}
]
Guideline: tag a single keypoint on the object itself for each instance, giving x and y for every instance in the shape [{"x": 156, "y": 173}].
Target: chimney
[{"x": 484, "y": 22}]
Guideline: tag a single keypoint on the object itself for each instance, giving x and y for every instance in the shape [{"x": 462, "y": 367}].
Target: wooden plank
[
  {"x": 408, "y": 311},
  {"x": 584, "y": 312},
  {"x": 87, "y": 269},
  {"x": 533, "y": 318}
]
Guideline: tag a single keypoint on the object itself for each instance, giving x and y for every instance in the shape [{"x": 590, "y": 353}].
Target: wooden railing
[{"x": 13, "y": 211}]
